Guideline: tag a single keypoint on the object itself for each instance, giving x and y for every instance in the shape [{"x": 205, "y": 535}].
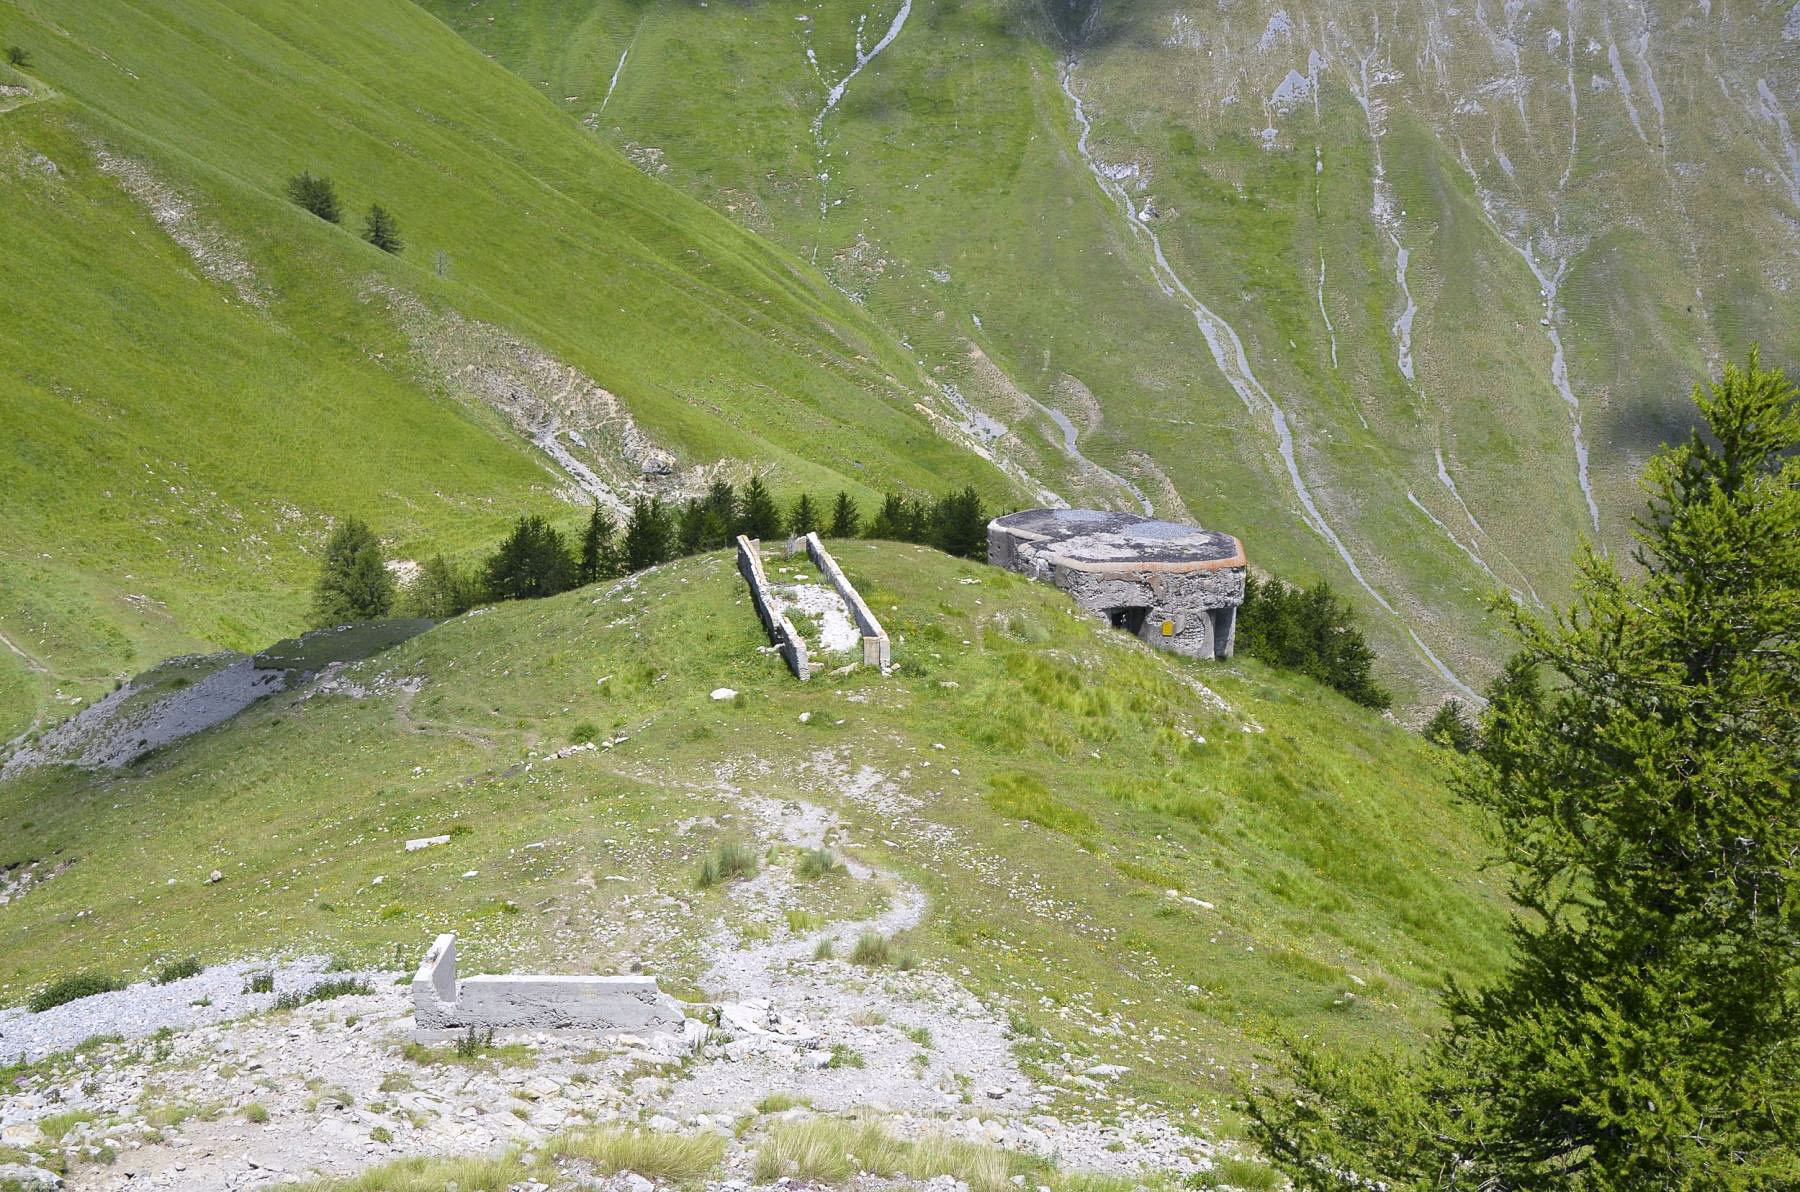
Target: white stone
[
  {"x": 724, "y": 693},
  {"x": 413, "y": 846}
]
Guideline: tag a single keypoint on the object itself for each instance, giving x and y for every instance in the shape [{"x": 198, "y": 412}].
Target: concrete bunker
[
  {"x": 1176, "y": 587},
  {"x": 444, "y": 1007}
]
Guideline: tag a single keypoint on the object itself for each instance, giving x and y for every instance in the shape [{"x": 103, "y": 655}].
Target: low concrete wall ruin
[
  {"x": 877, "y": 650},
  {"x": 781, "y": 630},
  {"x": 444, "y": 1007}
]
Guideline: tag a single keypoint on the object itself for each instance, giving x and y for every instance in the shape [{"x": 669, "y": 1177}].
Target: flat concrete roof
[{"x": 1101, "y": 541}]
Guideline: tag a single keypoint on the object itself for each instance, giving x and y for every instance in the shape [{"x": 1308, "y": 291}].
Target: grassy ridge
[
  {"x": 181, "y": 429},
  {"x": 957, "y": 203},
  {"x": 1048, "y": 781}
]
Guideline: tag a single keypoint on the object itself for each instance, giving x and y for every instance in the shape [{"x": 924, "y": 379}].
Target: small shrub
[
  {"x": 872, "y": 949},
  {"x": 18, "y": 56},
  {"x": 473, "y": 1043},
  {"x": 255, "y": 1114},
  {"x": 801, "y": 922},
  {"x": 733, "y": 860},
  {"x": 817, "y": 863},
  {"x": 179, "y": 970},
  {"x": 260, "y": 983},
  {"x": 781, "y": 1103},
  {"x": 316, "y": 195},
  {"x": 73, "y": 988},
  {"x": 381, "y": 1134},
  {"x": 585, "y": 733},
  {"x": 1247, "y": 1175},
  {"x": 823, "y": 951},
  {"x": 324, "y": 991},
  {"x": 920, "y": 1035},
  {"x": 671, "y": 1158},
  {"x": 845, "y": 1056}
]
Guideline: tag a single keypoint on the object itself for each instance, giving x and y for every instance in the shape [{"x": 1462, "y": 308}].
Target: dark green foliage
[
  {"x": 722, "y": 500},
  {"x": 324, "y": 991},
  {"x": 1646, "y": 1031},
  {"x": 443, "y": 590},
  {"x": 803, "y": 519},
  {"x": 73, "y": 988},
  {"x": 898, "y": 519},
  {"x": 846, "y": 518},
  {"x": 179, "y": 970},
  {"x": 600, "y": 554},
  {"x": 18, "y": 56},
  {"x": 1451, "y": 728},
  {"x": 758, "y": 516},
  {"x": 647, "y": 537},
  {"x": 353, "y": 584},
  {"x": 1309, "y": 630},
  {"x": 316, "y": 195},
  {"x": 380, "y": 230},
  {"x": 263, "y": 982},
  {"x": 700, "y": 529},
  {"x": 533, "y": 561},
  {"x": 959, "y": 525}
]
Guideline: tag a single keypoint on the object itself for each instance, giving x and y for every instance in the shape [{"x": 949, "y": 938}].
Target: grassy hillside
[
  {"x": 1147, "y": 861},
  {"x": 199, "y": 375},
  {"x": 1372, "y": 233}
]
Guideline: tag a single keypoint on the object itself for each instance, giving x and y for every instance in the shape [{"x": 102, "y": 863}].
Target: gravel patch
[{"x": 139, "y": 1011}]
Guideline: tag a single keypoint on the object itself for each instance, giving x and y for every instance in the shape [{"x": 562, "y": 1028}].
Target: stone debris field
[{"x": 207, "y": 1083}]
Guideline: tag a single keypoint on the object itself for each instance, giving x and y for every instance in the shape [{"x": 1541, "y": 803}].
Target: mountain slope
[
  {"x": 1146, "y": 861},
  {"x": 1402, "y": 295},
  {"x": 200, "y": 375}
]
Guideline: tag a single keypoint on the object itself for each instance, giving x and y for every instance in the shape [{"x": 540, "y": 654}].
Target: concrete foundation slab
[{"x": 444, "y": 1006}]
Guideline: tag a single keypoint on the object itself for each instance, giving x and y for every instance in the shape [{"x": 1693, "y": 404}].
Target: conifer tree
[
  {"x": 353, "y": 584},
  {"x": 846, "y": 519},
  {"x": 381, "y": 230},
  {"x": 599, "y": 550},
  {"x": 803, "y": 518},
  {"x": 442, "y": 591},
  {"x": 894, "y": 520},
  {"x": 1451, "y": 728},
  {"x": 532, "y": 562},
  {"x": 648, "y": 537},
  {"x": 1646, "y": 1030},
  {"x": 758, "y": 516},
  {"x": 959, "y": 525},
  {"x": 722, "y": 503},
  {"x": 316, "y": 195}
]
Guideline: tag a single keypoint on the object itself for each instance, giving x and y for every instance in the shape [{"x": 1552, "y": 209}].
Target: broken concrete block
[
  {"x": 444, "y": 1006},
  {"x": 1176, "y": 587}
]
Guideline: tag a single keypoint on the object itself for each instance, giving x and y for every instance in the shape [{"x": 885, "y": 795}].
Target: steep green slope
[
  {"x": 1118, "y": 845},
  {"x": 1456, "y": 248},
  {"x": 199, "y": 375}
]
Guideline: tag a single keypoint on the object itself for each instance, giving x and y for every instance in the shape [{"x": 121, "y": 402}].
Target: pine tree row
[{"x": 535, "y": 559}]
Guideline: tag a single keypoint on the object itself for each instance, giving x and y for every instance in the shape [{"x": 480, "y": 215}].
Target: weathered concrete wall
[
  {"x": 1177, "y": 587},
  {"x": 781, "y": 631},
  {"x": 877, "y": 650},
  {"x": 442, "y": 1005}
]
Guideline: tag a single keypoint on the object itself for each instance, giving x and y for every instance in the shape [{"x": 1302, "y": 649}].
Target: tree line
[{"x": 536, "y": 559}]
